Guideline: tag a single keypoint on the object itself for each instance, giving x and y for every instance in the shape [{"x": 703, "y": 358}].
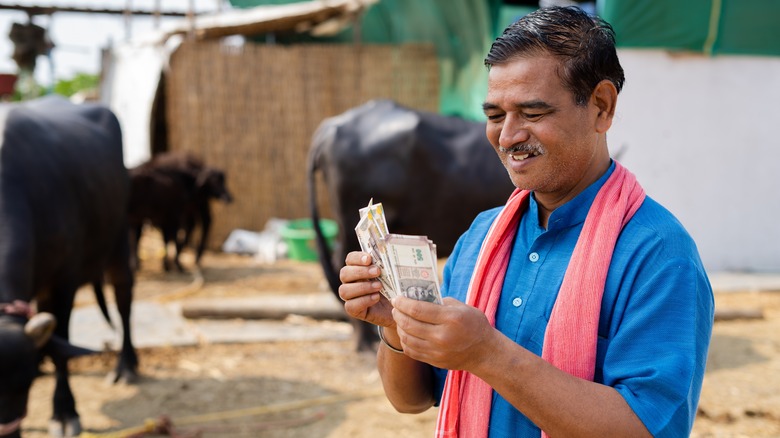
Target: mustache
[{"x": 522, "y": 149}]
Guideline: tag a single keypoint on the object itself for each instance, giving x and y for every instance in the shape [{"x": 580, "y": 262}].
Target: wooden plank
[
  {"x": 734, "y": 314},
  {"x": 315, "y": 305}
]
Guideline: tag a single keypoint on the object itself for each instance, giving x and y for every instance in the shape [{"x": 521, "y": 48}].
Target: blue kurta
[{"x": 656, "y": 314}]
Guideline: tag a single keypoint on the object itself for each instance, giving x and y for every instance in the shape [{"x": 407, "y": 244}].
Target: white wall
[{"x": 702, "y": 136}]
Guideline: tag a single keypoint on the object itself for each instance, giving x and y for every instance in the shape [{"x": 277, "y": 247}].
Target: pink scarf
[{"x": 570, "y": 347}]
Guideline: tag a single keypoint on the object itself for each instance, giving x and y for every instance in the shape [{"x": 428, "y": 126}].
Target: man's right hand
[{"x": 360, "y": 291}]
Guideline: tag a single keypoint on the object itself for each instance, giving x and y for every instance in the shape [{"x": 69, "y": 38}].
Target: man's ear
[{"x": 604, "y": 96}]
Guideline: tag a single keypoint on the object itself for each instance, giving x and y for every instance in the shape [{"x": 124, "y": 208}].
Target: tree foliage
[{"x": 79, "y": 82}]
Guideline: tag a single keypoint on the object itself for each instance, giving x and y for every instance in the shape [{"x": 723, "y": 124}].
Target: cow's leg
[
  {"x": 134, "y": 239},
  {"x": 188, "y": 227},
  {"x": 127, "y": 364},
  {"x": 65, "y": 420},
  {"x": 178, "y": 248},
  {"x": 205, "y": 226},
  {"x": 366, "y": 338},
  {"x": 121, "y": 277},
  {"x": 169, "y": 235}
]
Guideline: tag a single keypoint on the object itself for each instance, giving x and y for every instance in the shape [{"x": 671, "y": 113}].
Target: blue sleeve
[
  {"x": 659, "y": 371},
  {"x": 656, "y": 350}
]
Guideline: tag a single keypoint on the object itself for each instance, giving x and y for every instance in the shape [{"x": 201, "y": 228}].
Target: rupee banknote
[
  {"x": 414, "y": 267},
  {"x": 377, "y": 213},
  {"x": 408, "y": 264},
  {"x": 370, "y": 233}
]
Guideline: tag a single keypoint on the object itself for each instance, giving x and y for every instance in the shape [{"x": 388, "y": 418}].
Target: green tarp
[{"x": 749, "y": 27}]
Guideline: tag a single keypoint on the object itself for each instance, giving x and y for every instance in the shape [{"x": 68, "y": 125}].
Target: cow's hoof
[
  {"x": 66, "y": 428},
  {"x": 124, "y": 376}
]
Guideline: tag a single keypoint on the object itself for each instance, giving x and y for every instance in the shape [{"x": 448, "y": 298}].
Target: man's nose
[{"x": 514, "y": 131}]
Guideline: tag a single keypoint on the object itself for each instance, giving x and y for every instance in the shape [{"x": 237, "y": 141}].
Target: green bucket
[{"x": 299, "y": 236}]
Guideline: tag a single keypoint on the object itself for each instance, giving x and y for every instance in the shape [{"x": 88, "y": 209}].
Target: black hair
[{"x": 584, "y": 44}]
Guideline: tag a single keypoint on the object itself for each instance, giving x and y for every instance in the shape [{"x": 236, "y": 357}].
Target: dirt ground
[{"x": 325, "y": 389}]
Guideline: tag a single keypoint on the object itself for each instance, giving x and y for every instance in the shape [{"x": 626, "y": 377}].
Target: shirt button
[
  {"x": 517, "y": 302},
  {"x": 534, "y": 257}
]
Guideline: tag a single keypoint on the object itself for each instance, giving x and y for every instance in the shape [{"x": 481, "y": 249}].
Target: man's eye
[
  {"x": 494, "y": 117},
  {"x": 533, "y": 116}
]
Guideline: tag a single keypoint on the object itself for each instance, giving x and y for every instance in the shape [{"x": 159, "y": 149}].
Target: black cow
[
  {"x": 431, "y": 173},
  {"x": 63, "y": 223},
  {"x": 172, "y": 192}
]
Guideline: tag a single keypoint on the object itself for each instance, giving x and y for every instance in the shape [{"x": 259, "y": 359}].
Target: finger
[
  {"x": 413, "y": 336},
  {"x": 351, "y": 291},
  {"x": 349, "y": 274},
  {"x": 411, "y": 327},
  {"x": 358, "y": 307},
  {"x": 422, "y": 311},
  {"x": 358, "y": 258},
  {"x": 449, "y": 301}
]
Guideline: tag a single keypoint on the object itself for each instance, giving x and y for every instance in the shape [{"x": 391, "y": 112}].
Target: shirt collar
[{"x": 573, "y": 212}]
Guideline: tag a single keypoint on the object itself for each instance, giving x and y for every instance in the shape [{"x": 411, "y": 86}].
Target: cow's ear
[
  {"x": 203, "y": 178},
  {"x": 59, "y": 347}
]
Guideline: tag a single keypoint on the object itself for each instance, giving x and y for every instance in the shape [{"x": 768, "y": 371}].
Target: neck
[
  {"x": 544, "y": 214},
  {"x": 548, "y": 204}
]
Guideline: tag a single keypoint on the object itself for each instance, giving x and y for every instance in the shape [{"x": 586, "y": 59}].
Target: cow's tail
[
  {"x": 323, "y": 250},
  {"x": 100, "y": 298}
]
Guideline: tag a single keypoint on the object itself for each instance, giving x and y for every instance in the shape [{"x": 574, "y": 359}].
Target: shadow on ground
[
  {"x": 216, "y": 407},
  {"x": 729, "y": 352}
]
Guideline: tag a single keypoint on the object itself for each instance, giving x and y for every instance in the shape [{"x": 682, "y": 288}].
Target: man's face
[{"x": 546, "y": 142}]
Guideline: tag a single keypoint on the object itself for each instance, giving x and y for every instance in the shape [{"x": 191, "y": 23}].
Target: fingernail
[
  {"x": 376, "y": 285},
  {"x": 373, "y": 270},
  {"x": 364, "y": 259}
]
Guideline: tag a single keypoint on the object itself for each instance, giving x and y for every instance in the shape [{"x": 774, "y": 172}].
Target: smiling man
[{"x": 581, "y": 307}]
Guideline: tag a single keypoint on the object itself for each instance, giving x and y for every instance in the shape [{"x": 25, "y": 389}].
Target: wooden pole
[
  {"x": 157, "y": 14},
  {"x": 128, "y": 18},
  {"x": 191, "y": 18}
]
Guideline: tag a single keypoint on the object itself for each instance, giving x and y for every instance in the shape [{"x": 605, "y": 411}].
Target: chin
[{"x": 522, "y": 182}]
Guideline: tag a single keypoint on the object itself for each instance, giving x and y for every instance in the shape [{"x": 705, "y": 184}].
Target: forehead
[{"x": 529, "y": 78}]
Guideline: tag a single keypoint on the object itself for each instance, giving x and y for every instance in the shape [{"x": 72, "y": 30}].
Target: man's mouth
[
  {"x": 522, "y": 152},
  {"x": 524, "y": 155}
]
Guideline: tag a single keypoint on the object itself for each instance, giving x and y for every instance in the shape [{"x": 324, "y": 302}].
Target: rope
[
  {"x": 245, "y": 427},
  {"x": 163, "y": 423}
]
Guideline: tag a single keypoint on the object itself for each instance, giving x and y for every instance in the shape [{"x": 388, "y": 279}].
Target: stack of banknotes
[{"x": 407, "y": 263}]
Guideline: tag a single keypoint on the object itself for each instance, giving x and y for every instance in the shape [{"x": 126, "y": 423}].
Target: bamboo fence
[{"x": 251, "y": 111}]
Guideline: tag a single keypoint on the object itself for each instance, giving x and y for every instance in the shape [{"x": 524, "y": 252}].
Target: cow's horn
[{"x": 40, "y": 328}]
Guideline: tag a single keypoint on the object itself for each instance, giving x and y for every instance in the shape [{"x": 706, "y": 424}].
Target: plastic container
[{"x": 299, "y": 236}]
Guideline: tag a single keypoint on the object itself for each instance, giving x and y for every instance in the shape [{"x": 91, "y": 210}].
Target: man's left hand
[{"x": 452, "y": 336}]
